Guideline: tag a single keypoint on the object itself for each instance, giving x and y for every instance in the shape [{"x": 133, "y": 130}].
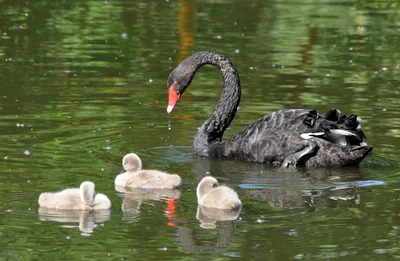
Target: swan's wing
[
  {"x": 266, "y": 146},
  {"x": 331, "y": 126}
]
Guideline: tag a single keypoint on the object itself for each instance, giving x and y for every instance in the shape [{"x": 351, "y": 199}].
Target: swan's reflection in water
[
  {"x": 87, "y": 220},
  {"x": 294, "y": 188},
  {"x": 208, "y": 217},
  {"x": 133, "y": 198}
]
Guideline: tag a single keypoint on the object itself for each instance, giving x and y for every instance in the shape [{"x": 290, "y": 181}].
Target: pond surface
[{"x": 83, "y": 83}]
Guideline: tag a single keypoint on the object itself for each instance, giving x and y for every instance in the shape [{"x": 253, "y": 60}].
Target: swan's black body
[{"x": 285, "y": 137}]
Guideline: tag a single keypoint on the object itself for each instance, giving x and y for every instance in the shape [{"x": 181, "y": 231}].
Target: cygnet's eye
[{"x": 215, "y": 185}]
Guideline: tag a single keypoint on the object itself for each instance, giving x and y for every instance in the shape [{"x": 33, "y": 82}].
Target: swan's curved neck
[{"x": 208, "y": 139}]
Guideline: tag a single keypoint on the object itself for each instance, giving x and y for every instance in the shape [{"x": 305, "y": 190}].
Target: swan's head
[
  {"x": 206, "y": 184},
  {"x": 87, "y": 192},
  {"x": 131, "y": 162},
  {"x": 178, "y": 81}
]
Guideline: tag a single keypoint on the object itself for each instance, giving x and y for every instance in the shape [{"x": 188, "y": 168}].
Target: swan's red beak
[{"x": 173, "y": 98}]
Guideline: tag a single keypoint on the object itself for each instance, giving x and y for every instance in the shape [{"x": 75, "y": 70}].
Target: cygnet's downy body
[
  {"x": 82, "y": 198},
  {"x": 211, "y": 195},
  {"x": 134, "y": 176}
]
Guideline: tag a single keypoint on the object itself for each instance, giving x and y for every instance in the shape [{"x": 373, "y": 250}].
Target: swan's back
[
  {"x": 148, "y": 179},
  {"x": 221, "y": 197},
  {"x": 135, "y": 176},
  {"x": 210, "y": 195},
  {"x": 67, "y": 198},
  {"x": 84, "y": 198}
]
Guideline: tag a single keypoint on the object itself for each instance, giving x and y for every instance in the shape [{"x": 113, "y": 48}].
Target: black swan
[{"x": 285, "y": 137}]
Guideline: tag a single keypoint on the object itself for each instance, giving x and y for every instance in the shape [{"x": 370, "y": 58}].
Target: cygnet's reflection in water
[
  {"x": 208, "y": 217},
  {"x": 87, "y": 219},
  {"x": 134, "y": 197},
  {"x": 190, "y": 238}
]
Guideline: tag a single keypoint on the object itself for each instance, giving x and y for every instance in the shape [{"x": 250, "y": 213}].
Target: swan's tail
[
  {"x": 174, "y": 181},
  {"x": 232, "y": 203},
  {"x": 339, "y": 129},
  {"x": 101, "y": 201}
]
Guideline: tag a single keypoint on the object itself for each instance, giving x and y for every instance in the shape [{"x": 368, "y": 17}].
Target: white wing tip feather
[
  {"x": 309, "y": 135},
  {"x": 342, "y": 132}
]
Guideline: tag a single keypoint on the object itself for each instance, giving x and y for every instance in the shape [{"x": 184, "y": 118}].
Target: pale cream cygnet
[
  {"x": 134, "y": 176},
  {"x": 211, "y": 195},
  {"x": 83, "y": 198}
]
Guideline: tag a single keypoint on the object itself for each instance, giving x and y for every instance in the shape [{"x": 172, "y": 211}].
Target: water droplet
[
  {"x": 299, "y": 256},
  {"x": 28, "y": 181},
  {"x": 237, "y": 51},
  {"x": 380, "y": 251},
  {"x": 384, "y": 69},
  {"x": 107, "y": 140},
  {"x": 68, "y": 237},
  {"x": 102, "y": 169},
  {"x": 150, "y": 80},
  {"x": 124, "y": 35},
  {"x": 350, "y": 61},
  {"x": 260, "y": 221},
  {"x": 327, "y": 75},
  {"x": 308, "y": 80},
  {"x": 163, "y": 248},
  {"x": 27, "y": 153},
  {"x": 217, "y": 37},
  {"x": 350, "y": 48},
  {"x": 5, "y": 157}
]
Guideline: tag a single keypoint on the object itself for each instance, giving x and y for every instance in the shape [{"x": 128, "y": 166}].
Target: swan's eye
[{"x": 215, "y": 185}]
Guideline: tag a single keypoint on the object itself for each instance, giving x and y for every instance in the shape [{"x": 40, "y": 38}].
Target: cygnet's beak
[{"x": 122, "y": 171}]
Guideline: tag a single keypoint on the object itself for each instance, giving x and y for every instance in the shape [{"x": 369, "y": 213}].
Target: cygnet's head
[
  {"x": 87, "y": 192},
  {"x": 206, "y": 184},
  {"x": 131, "y": 162}
]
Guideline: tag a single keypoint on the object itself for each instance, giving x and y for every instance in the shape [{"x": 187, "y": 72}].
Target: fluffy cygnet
[
  {"x": 134, "y": 176},
  {"x": 211, "y": 195},
  {"x": 83, "y": 198}
]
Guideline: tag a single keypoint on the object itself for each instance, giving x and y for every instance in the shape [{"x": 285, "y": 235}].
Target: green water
[{"x": 84, "y": 82}]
